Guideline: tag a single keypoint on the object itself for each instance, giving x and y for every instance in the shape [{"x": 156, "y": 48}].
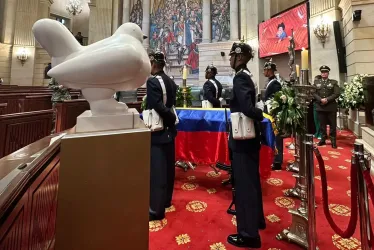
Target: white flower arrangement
[
  {"x": 352, "y": 95},
  {"x": 74, "y": 7}
]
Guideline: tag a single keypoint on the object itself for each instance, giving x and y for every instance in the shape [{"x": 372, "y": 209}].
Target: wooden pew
[
  {"x": 28, "y": 198},
  {"x": 20, "y": 129},
  {"x": 140, "y": 93},
  {"x": 67, "y": 113},
  {"x": 24, "y": 100}
]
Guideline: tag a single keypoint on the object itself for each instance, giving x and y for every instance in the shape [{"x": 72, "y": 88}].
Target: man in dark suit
[
  {"x": 162, "y": 142},
  {"x": 246, "y": 154},
  {"x": 212, "y": 87},
  {"x": 327, "y": 91},
  {"x": 272, "y": 87}
]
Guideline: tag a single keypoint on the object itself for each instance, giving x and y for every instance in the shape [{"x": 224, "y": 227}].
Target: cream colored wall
[
  {"x": 327, "y": 54},
  {"x": 277, "y": 6},
  {"x": 359, "y": 37},
  {"x": 5, "y": 59},
  {"x": 80, "y": 22},
  {"x": 17, "y": 20}
]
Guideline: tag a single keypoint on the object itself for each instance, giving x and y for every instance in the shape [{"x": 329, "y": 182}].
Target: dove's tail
[{"x": 55, "y": 38}]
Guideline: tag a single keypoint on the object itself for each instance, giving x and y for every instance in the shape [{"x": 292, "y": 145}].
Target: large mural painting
[
  {"x": 136, "y": 12},
  {"x": 176, "y": 29},
  {"x": 220, "y": 13}
]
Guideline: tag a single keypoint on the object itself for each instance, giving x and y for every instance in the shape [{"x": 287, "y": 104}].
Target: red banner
[{"x": 274, "y": 33}]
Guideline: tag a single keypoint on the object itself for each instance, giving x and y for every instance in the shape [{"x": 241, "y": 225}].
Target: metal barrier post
[
  {"x": 362, "y": 164},
  {"x": 312, "y": 242}
]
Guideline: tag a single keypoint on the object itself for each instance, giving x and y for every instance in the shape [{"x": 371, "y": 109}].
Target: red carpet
[{"x": 198, "y": 219}]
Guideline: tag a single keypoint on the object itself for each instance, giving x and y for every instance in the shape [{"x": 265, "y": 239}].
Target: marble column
[
  {"x": 126, "y": 11},
  {"x": 41, "y": 56},
  {"x": 207, "y": 24},
  {"x": 115, "y": 16},
  {"x": 324, "y": 54},
  {"x": 146, "y": 21},
  {"x": 234, "y": 20},
  {"x": 243, "y": 19},
  {"x": 267, "y": 9},
  {"x": 100, "y": 21},
  {"x": 26, "y": 16},
  {"x": 254, "y": 15}
]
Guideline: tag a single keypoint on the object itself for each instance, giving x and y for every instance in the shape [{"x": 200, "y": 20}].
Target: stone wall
[
  {"x": 5, "y": 59},
  {"x": 359, "y": 37},
  {"x": 328, "y": 12}
]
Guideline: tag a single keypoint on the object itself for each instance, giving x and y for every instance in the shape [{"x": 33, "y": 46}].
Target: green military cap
[{"x": 324, "y": 68}]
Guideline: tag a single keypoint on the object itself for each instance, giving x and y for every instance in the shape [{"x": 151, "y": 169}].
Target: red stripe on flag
[{"x": 205, "y": 148}]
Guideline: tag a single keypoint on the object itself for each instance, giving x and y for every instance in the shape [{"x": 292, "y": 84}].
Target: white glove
[
  {"x": 222, "y": 101},
  {"x": 260, "y": 105}
]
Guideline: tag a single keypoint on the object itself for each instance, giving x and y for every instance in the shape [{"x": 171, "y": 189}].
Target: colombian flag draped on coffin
[{"x": 202, "y": 138}]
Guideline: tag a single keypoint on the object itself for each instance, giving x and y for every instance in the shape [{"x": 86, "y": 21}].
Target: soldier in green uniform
[{"x": 327, "y": 91}]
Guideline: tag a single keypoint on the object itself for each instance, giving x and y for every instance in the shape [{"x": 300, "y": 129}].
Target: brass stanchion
[
  {"x": 311, "y": 196},
  {"x": 299, "y": 231},
  {"x": 364, "y": 162}
]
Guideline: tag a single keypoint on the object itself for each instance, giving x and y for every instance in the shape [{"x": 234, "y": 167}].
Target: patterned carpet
[{"x": 198, "y": 219}]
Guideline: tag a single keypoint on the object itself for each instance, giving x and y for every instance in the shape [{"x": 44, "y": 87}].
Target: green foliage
[
  {"x": 189, "y": 97},
  {"x": 286, "y": 112},
  {"x": 144, "y": 103},
  {"x": 352, "y": 94}
]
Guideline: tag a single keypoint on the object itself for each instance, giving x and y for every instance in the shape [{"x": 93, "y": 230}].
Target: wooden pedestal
[{"x": 103, "y": 198}]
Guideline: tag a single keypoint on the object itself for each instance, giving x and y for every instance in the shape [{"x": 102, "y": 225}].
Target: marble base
[
  {"x": 356, "y": 121},
  {"x": 87, "y": 122}
]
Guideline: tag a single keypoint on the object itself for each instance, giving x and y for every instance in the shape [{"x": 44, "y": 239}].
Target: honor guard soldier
[
  {"x": 272, "y": 88},
  {"x": 212, "y": 87},
  {"x": 162, "y": 142},
  {"x": 327, "y": 91},
  {"x": 246, "y": 154}
]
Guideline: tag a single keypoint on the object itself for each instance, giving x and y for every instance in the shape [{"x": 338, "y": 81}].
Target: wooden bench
[
  {"x": 28, "y": 196},
  {"x": 24, "y": 100},
  {"x": 21, "y": 129},
  {"x": 67, "y": 113}
]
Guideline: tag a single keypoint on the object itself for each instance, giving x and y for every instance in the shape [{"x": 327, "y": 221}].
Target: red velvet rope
[{"x": 354, "y": 202}]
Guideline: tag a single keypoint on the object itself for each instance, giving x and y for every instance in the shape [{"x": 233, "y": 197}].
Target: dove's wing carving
[
  {"x": 101, "y": 66},
  {"x": 55, "y": 38}
]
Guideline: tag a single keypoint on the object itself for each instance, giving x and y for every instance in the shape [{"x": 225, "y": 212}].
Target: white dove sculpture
[{"x": 117, "y": 63}]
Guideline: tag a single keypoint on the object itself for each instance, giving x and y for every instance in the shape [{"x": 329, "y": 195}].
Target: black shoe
[
  {"x": 276, "y": 166},
  {"x": 154, "y": 217},
  {"x": 262, "y": 225},
  {"x": 239, "y": 241},
  {"x": 321, "y": 142},
  {"x": 168, "y": 205},
  {"x": 333, "y": 143}
]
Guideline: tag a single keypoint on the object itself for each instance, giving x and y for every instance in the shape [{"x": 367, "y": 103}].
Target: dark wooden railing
[
  {"x": 67, "y": 113},
  {"x": 26, "y": 99},
  {"x": 20, "y": 129},
  {"x": 28, "y": 196}
]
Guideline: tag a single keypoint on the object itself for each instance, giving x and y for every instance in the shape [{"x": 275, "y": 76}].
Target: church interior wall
[
  {"x": 80, "y": 22},
  {"x": 359, "y": 38},
  {"x": 327, "y": 54}
]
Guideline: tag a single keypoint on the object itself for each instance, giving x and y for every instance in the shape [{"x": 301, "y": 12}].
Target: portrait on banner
[
  {"x": 176, "y": 29},
  {"x": 220, "y": 14}
]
